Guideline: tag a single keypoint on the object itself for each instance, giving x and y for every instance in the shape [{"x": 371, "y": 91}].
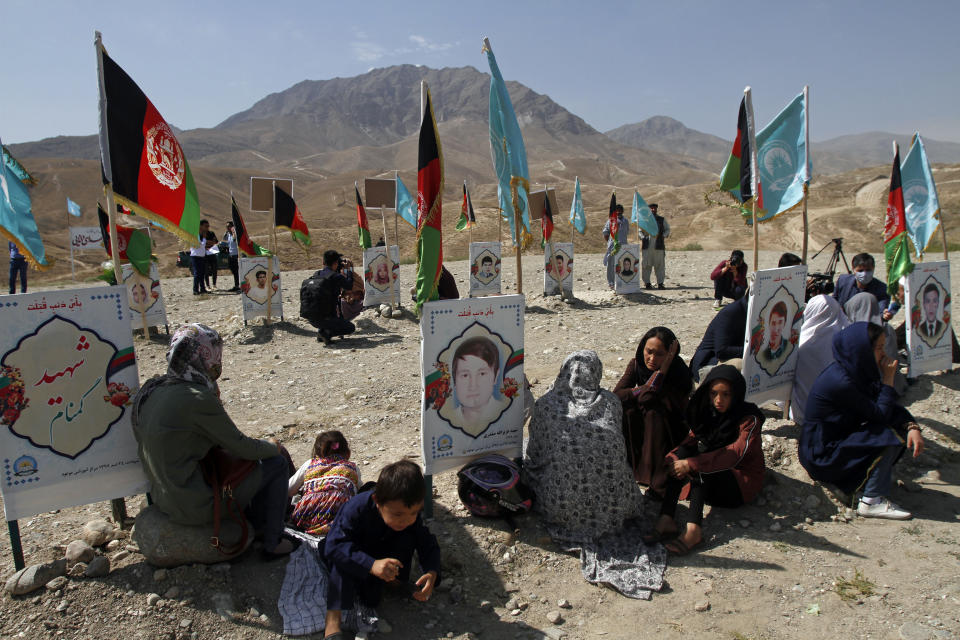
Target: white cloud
[
  {"x": 366, "y": 51},
  {"x": 422, "y": 44}
]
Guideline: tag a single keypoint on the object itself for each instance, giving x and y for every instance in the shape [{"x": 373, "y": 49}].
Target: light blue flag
[
  {"x": 16, "y": 219},
  {"x": 578, "y": 217},
  {"x": 73, "y": 208},
  {"x": 643, "y": 216},
  {"x": 406, "y": 207},
  {"x": 18, "y": 169},
  {"x": 919, "y": 196},
  {"x": 509, "y": 154},
  {"x": 782, "y": 162}
]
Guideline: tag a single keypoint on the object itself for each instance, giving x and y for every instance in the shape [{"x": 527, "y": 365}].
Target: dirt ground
[{"x": 793, "y": 564}]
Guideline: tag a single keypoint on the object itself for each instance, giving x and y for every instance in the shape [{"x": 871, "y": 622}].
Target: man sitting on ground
[{"x": 850, "y": 284}]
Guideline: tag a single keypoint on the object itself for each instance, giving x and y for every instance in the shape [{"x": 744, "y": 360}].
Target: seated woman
[
  {"x": 864, "y": 307},
  {"x": 654, "y": 391},
  {"x": 177, "y": 418},
  {"x": 823, "y": 318},
  {"x": 720, "y": 461},
  {"x": 854, "y": 431},
  {"x": 575, "y": 460}
]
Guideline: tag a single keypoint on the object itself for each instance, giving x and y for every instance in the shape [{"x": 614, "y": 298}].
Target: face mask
[{"x": 863, "y": 277}]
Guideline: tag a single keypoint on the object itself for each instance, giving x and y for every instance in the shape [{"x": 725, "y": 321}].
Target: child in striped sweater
[{"x": 326, "y": 482}]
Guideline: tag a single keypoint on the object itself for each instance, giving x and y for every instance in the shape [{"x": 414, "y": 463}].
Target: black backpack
[{"x": 315, "y": 297}]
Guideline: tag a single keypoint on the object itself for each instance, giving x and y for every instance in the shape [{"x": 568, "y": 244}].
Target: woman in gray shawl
[
  {"x": 576, "y": 457},
  {"x": 863, "y": 307}
]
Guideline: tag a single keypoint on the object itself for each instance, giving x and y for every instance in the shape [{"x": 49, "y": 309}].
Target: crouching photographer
[{"x": 320, "y": 297}]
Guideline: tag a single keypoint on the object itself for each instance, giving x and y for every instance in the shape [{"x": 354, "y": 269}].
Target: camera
[{"x": 819, "y": 284}]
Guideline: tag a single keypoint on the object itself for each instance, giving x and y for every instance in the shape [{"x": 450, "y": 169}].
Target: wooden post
[
  {"x": 753, "y": 175},
  {"x": 393, "y": 293},
  {"x": 943, "y": 236},
  {"x": 518, "y": 225},
  {"x": 273, "y": 252},
  {"x": 806, "y": 171},
  {"x": 396, "y": 232}
]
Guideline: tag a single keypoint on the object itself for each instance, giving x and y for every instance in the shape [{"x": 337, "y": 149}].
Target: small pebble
[
  {"x": 554, "y": 617},
  {"x": 564, "y": 604},
  {"x": 153, "y": 599},
  {"x": 775, "y": 526},
  {"x": 702, "y": 606},
  {"x": 185, "y": 623}
]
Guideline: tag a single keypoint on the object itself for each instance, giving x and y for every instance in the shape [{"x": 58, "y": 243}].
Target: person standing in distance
[{"x": 655, "y": 250}]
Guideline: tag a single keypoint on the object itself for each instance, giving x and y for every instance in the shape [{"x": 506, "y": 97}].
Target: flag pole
[
  {"x": 806, "y": 171},
  {"x": 105, "y": 161},
  {"x": 273, "y": 252},
  {"x": 753, "y": 176},
  {"x": 396, "y": 229},
  {"x": 386, "y": 248}
]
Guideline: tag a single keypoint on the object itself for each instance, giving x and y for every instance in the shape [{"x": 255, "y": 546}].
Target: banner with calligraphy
[
  {"x": 484, "y": 269},
  {"x": 558, "y": 269},
  {"x": 627, "y": 269},
  {"x": 144, "y": 297},
  {"x": 254, "y": 291},
  {"x": 472, "y": 367},
  {"x": 926, "y": 293},
  {"x": 85, "y": 238},
  {"x": 67, "y": 376},
  {"x": 774, "y": 316},
  {"x": 379, "y": 269}
]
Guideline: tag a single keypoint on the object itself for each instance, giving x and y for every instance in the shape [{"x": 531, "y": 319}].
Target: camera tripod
[{"x": 835, "y": 258}]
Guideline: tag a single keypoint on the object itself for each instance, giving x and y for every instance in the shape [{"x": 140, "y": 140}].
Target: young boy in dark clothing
[{"x": 372, "y": 541}]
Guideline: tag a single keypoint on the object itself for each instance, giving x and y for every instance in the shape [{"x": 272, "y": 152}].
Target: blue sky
[{"x": 880, "y": 65}]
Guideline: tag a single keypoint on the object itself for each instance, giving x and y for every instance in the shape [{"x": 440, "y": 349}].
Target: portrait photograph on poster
[
  {"x": 774, "y": 317},
  {"x": 558, "y": 268},
  {"x": 484, "y": 268},
  {"x": 144, "y": 297},
  {"x": 627, "y": 269},
  {"x": 927, "y": 290},
  {"x": 379, "y": 271},
  {"x": 472, "y": 367},
  {"x": 255, "y": 290},
  {"x": 67, "y": 377}
]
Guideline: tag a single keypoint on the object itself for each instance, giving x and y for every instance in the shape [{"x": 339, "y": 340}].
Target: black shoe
[
  {"x": 647, "y": 285},
  {"x": 323, "y": 337},
  {"x": 660, "y": 286}
]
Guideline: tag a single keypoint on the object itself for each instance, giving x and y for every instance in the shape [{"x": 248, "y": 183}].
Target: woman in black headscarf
[
  {"x": 719, "y": 463},
  {"x": 654, "y": 391}
]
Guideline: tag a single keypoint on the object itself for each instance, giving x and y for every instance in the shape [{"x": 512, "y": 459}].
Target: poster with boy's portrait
[
  {"x": 472, "y": 368},
  {"x": 380, "y": 269},
  {"x": 67, "y": 376},
  {"x": 259, "y": 283},
  {"x": 144, "y": 297},
  {"x": 484, "y": 269},
  {"x": 774, "y": 316},
  {"x": 558, "y": 268},
  {"x": 927, "y": 292},
  {"x": 627, "y": 269}
]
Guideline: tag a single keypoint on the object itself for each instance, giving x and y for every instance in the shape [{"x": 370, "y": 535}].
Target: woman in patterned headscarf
[
  {"x": 178, "y": 418},
  {"x": 576, "y": 459}
]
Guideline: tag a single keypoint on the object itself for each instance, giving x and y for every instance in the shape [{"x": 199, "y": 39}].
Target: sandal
[
  {"x": 283, "y": 549},
  {"x": 678, "y": 547}
]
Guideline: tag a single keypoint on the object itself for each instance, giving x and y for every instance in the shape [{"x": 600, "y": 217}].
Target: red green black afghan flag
[
  {"x": 134, "y": 244},
  {"x": 546, "y": 222},
  {"x": 140, "y": 157},
  {"x": 429, "y": 194},
  {"x": 363, "y": 227},
  {"x": 736, "y": 175},
  {"x": 467, "y": 217},
  {"x": 895, "y": 249},
  {"x": 614, "y": 223},
  {"x": 286, "y": 215},
  {"x": 246, "y": 246}
]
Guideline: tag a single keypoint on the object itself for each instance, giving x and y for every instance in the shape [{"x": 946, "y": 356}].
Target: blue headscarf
[{"x": 854, "y": 354}]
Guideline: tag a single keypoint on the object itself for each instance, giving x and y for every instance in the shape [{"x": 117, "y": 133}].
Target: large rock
[
  {"x": 166, "y": 544},
  {"x": 35, "y": 577},
  {"x": 79, "y": 551}
]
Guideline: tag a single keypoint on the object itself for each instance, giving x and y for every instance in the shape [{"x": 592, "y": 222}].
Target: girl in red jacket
[{"x": 719, "y": 463}]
